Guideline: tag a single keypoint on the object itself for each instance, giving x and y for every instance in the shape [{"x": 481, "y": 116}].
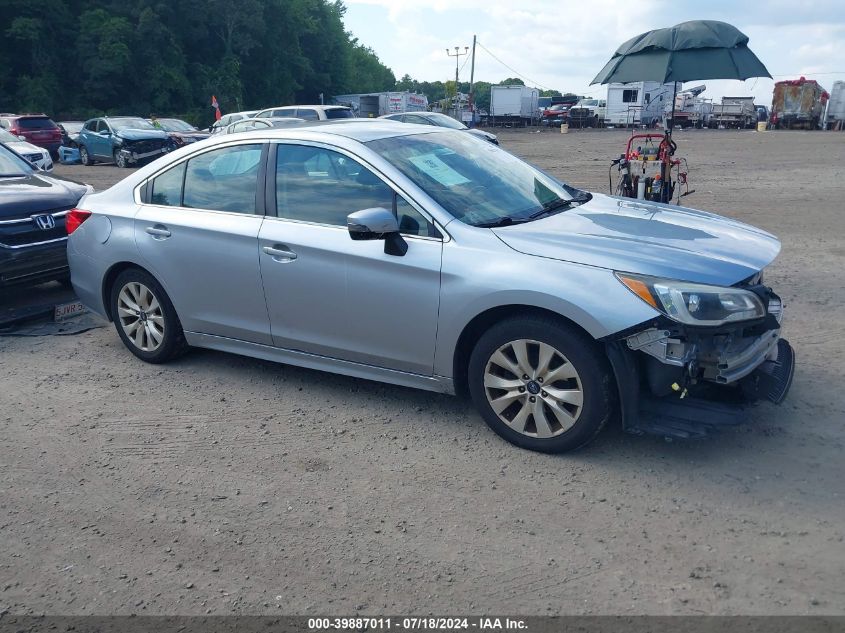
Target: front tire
[
  {"x": 120, "y": 159},
  {"x": 540, "y": 384},
  {"x": 145, "y": 318}
]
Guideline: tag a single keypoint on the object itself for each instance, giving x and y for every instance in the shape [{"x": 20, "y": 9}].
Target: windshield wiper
[
  {"x": 504, "y": 221},
  {"x": 560, "y": 204}
]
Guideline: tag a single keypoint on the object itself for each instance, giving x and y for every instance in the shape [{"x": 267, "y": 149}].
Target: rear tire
[
  {"x": 540, "y": 384},
  {"x": 84, "y": 156},
  {"x": 145, "y": 318}
]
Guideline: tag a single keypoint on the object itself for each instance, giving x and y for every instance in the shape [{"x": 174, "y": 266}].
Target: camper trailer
[{"x": 637, "y": 103}]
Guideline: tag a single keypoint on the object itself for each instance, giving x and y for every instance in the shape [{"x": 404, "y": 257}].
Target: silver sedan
[{"x": 432, "y": 259}]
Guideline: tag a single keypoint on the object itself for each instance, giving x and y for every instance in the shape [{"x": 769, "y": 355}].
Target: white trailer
[
  {"x": 637, "y": 103},
  {"x": 834, "y": 117},
  {"x": 513, "y": 104},
  {"x": 375, "y": 104}
]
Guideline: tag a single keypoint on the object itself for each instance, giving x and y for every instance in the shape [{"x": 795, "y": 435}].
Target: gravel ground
[{"x": 221, "y": 484}]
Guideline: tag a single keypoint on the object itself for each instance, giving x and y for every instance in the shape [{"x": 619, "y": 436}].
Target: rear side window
[
  {"x": 338, "y": 113},
  {"x": 36, "y": 123},
  {"x": 224, "y": 179},
  {"x": 91, "y": 126},
  {"x": 286, "y": 113},
  {"x": 167, "y": 188},
  {"x": 307, "y": 114}
]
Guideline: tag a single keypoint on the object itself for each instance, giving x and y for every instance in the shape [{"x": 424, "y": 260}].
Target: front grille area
[
  {"x": 26, "y": 231},
  {"x": 142, "y": 147}
]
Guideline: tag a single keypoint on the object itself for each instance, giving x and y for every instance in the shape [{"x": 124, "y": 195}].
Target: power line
[{"x": 516, "y": 72}]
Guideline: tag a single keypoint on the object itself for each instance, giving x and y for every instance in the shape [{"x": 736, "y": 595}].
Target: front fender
[{"x": 588, "y": 296}]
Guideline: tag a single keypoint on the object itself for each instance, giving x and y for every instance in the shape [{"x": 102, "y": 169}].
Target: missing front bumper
[{"x": 708, "y": 406}]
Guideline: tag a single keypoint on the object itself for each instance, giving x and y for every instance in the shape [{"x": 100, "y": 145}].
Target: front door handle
[
  {"x": 158, "y": 231},
  {"x": 280, "y": 253}
]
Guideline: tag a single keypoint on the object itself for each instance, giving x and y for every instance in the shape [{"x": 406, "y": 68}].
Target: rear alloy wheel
[
  {"x": 84, "y": 156},
  {"x": 540, "y": 385},
  {"x": 144, "y": 317},
  {"x": 120, "y": 159}
]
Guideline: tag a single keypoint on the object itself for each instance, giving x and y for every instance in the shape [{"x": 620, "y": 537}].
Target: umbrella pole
[{"x": 667, "y": 164}]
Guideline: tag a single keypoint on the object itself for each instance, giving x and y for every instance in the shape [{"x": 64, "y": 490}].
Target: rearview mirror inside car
[{"x": 377, "y": 224}]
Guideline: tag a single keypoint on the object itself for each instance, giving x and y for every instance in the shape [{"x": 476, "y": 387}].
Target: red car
[
  {"x": 37, "y": 129},
  {"x": 556, "y": 114}
]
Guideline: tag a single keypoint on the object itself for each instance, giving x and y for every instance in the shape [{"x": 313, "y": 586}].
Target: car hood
[
  {"x": 141, "y": 135},
  {"x": 36, "y": 193},
  {"x": 24, "y": 147},
  {"x": 647, "y": 238}
]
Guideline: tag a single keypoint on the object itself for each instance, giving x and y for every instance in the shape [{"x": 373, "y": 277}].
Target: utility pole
[
  {"x": 471, "y": 84},
  {"x": 457, "y": 55}
]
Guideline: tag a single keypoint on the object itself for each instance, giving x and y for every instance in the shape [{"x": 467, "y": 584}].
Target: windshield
[
  {"x": 130, "y": 124},
  {"x": 176, "y": 125},
  {"x": 473, "y": 180},
  {"x": 339, "y": 113},
  {"x": 442, "y": 120},
  {"x": 12, "y": 165},
  {"x": 589, "y": 102}
]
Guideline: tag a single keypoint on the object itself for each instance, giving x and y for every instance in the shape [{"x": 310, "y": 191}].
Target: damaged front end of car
[
  {"x": 136, "y": 151},
  {"x": 695, "y": 368}
]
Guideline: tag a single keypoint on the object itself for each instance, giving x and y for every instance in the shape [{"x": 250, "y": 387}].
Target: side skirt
[{"x": 440, "y": 384}]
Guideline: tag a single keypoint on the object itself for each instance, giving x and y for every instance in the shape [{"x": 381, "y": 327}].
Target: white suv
[
  {"x": 308, "y": 112},
  {"x": 38, "y": 156}
]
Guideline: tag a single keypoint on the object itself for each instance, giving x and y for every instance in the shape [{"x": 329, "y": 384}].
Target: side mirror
[{"x": 377, "y": 224}]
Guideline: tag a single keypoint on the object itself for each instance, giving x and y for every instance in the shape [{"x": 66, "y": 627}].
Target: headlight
[{"x": 695, "y": 304}]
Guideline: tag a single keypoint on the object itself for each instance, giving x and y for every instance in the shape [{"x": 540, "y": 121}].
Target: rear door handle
[
  {"x": 280, "y": 253},
  {"x": 158, "y": 231}
]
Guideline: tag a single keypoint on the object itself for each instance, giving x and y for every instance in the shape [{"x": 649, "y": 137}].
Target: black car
[{"x": 33, "y": 206}]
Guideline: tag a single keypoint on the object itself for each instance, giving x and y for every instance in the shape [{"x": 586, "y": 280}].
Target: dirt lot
[{"x": 220, "y": 484}]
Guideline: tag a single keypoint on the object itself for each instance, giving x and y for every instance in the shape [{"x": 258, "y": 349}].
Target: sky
[{"x": 562, "y": 45}]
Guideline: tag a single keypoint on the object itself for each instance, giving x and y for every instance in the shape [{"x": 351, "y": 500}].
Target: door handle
[
  {"x": 158, "y": 231},
  {"x": 280, "y": 253}
]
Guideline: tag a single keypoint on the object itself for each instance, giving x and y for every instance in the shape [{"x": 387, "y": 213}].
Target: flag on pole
[{"x": 216, "y": 107}]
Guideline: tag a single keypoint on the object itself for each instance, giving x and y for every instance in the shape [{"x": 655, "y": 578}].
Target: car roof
[{"x": 361, "y": 130}]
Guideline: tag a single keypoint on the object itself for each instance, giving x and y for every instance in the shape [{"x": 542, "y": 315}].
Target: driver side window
[{"x": 314, "y": 184}]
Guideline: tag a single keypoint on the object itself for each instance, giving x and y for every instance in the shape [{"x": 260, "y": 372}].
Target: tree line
[
  {"x": 85, "y": 58},
  {"x": 80, "y": 58}
]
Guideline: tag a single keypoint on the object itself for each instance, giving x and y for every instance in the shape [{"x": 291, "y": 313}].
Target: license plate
[{"x": 67, "y": 310}]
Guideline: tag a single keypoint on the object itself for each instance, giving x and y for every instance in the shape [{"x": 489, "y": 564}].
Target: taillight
[{"x": 75, "y": 219}]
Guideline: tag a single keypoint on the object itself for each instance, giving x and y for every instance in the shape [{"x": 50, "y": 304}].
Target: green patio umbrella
[{"x": 689, "y": 51}]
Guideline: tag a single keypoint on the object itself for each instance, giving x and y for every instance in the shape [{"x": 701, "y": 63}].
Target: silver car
[{"x": 432, "y": 259}]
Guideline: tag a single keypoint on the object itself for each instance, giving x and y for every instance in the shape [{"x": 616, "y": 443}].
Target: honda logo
[{"x": 44, "y": 222}]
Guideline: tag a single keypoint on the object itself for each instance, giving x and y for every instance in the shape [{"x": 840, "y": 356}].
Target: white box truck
[
  {"x": 513, "y": 104},
  {"x": 375, "y": 104},
  {"x": 637, "y": 103},
  {"x": 834, "y": 118}
]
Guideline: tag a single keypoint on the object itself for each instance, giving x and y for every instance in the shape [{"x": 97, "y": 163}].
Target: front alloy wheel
[
  {"x": 540, "y": 383},
  {"x": 533, "y": 388},
  {"x": 120, "y": 159}
]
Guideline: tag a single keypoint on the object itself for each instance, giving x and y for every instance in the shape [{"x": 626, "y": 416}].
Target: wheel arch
[
  {"x": 109, "y": 279},
  {"x": 482, "y": 322}
]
